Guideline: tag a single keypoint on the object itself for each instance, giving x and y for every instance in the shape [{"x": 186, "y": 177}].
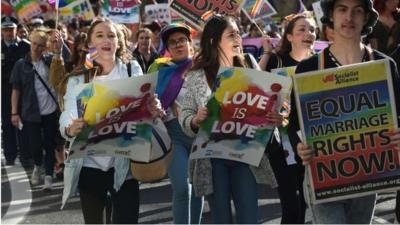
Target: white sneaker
[
  {"x": 35, "y": 175},
  {"x": 48, "y": 183}
]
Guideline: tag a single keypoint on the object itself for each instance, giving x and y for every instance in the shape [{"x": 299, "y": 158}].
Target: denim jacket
[{"x": 73, "y": 166}]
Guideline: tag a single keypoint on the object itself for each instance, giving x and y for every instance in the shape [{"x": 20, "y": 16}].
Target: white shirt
[
  {"x": 45, "y": 101},
  {"x": 104, "y": 163}
]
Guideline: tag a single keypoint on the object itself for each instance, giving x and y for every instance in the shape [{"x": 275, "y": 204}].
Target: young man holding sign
[{"x": 350, "y": 19}]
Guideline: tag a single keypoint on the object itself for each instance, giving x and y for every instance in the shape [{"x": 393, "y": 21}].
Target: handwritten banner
[
  {"x": 236, "y": 127},
  {"x": 317, "y": 9},
  {"x": 82, "y": 9},
  {"x": 258, "y": 9},
  {"x": 318, "y": 45},
  {"x": 117, "y": 116},
  {"x": 192, "y": 10},
  {"x": 158, "y": 12},
  {"x": 287, "y": 147},
  {"x": 121, "y": 11},
  {"x": 346, "y": 116},
  {"x": 26, "y": 9}
]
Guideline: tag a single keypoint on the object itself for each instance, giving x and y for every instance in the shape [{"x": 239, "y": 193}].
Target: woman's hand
[
  {"x": 16, "y": 120},
  {"x": 155, "y": 107},
  {"x": 267, "y": 44},
  {"x": 275, "y": 118},
  {"x": 202, "y": 113},
  {"x": 56, "y": 42},
  {"x": 395, "y": 138},
  {"x": 305, "y": 152},
  {"x": 75, "y": 128}
]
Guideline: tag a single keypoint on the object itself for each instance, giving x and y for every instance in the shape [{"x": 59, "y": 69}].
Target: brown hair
[
  {"x": 209, "y": 55},
  {"x": 97, "y": 68},
  {"x": 379, "y": 5},
  {"x": 286, "y": 46}
]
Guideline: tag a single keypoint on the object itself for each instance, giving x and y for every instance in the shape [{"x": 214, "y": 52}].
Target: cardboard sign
[
  {"x": 117, "y": 116},
  {"x": 236, "y": 127},
  {"x": 346, "y": 115}
]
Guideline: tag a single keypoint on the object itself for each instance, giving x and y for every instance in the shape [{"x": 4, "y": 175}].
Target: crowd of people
[{"x": 43, "y": 63}]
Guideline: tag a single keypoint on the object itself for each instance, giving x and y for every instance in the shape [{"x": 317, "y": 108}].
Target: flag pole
[
  {"x": 57, "y": 6},
  {"x": 253, "y": 21}
]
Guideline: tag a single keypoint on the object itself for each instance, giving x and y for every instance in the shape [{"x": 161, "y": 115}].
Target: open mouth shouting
[
  {"x": 308, "y": 41},
  {"x": 106, "y": 49},
  {"x": 237, "y": 48}
]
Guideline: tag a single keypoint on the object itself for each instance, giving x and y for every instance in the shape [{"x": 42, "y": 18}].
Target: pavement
[{"x": 24, "y": 204}]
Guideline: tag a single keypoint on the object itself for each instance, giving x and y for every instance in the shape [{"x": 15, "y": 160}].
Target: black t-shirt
[
  {"x": 311, "y": 64},
  {"x": 396, "y": 56},
  {"x": 285, "y": 61}
]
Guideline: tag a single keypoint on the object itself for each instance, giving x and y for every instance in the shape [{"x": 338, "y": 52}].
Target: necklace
[{"x": 337, "y": 63}]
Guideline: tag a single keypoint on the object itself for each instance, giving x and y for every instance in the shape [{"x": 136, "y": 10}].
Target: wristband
[
  {"x": 67, "y": 132},
  {"x": 267, "y": 52}
]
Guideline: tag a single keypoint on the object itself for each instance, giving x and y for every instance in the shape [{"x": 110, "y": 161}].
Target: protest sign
[
  {"x": 26, "y": 9},
  {"x": 175, "y": 18},
  {"x": 121, "y": 11},
  {"x": 7, "y": 9},
  {"x": 158, "y": 12},
  {"x": 117, "y": 116},
  {"x": 70, "y": 9},
  {"x": 318, "y": 13},
  {"x": 318, "y": 45},
  {"x": 346, "y": 115},
  {"x": 192, "y": 10},
  {"x": 236, "y": 127},
  {"x": 285, "y": 71},
  {"x": 287, "y": 147},
  {"x": 258, "y": 9}
]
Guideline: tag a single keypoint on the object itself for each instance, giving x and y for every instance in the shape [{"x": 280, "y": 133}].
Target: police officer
[{"x": 12, "y": 49}]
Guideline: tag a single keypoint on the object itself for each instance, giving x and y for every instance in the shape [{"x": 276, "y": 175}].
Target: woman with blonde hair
[{"x": 34, "y": 106}]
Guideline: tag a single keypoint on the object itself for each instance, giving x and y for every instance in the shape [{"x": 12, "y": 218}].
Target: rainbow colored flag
[
  {"x": 90, "y": 58},
  {"x": 170, "y": 78},
  {"x": 71, "y": 8},
  {"x": 256, "y": 9},
  {"x": 26, "y": 9}
]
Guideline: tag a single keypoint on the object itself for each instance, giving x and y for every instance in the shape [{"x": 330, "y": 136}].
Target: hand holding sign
[
  {"x": 267, "y": 44},
  {"x": 201, "y": 115},
  {"x": 76, "y": 127},
  {"x": 395, "y": 137},
  {"x": 275, "y": 118},
  {"x": 305, "y": 152},
  {"x": 155, "y": 107}
]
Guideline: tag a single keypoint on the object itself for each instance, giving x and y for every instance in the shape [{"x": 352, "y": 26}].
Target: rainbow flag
[
  {"x": 207, "y": 15},
  {"x": 257, "y": 9},
  {"x": 170, "y": 79},
  {"x": 90, "y": 58}
]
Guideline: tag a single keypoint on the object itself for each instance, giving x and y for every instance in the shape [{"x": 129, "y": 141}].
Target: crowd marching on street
[{"x": 223, "y": 105}]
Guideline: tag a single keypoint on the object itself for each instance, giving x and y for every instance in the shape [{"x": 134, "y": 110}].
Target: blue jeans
[
  {"x": 182, "y": 198},
  {"x": 13, "y": 140},
  {"x": 349, "y": 211},
  {"x": 233, "y": 179}
]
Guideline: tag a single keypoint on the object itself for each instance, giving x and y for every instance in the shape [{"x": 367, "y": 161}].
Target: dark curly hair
[{"x": 327, "y": 8}]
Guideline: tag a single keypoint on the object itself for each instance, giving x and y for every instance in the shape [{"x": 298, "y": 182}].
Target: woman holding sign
[
  {"x": 350, "y": 19},
  {"x": 95, "y": 176},
  {"x": 221, "y": 179},
  {"x": 297, "y": 44},
  {"x": 186, "y": 207}
]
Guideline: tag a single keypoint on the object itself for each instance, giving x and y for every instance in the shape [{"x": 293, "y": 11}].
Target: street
[{"x": 22, "y": 204}]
